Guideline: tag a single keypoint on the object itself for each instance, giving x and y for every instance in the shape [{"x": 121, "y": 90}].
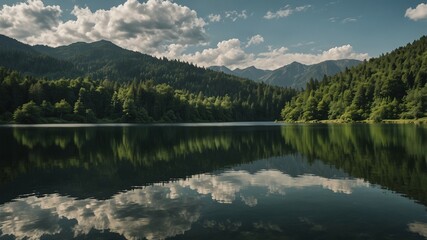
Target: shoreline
[{"x": 384, "y": 121}]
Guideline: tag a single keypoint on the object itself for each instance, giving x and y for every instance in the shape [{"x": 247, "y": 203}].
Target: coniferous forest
[
  {"x": 25, "y": 99},
  {"x": 101, "y": 82},
  {"x": 392, "y": 86}
]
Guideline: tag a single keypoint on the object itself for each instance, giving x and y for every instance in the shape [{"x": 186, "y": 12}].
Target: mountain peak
[
  {"x": 103, "y": 42},
  {"x": 295, "y": 63},
  {"x": 13, "y": 44},
  {"x": 222, "y": 68},
  {"x": 295, "y": 74},
  {"x": 251, "y": 68}
]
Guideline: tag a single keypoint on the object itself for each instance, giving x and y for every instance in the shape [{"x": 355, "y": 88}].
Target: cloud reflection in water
[{"x": 153, "y": 212}]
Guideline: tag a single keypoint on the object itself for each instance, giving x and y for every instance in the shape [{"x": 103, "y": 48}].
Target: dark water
[{"x": 232, "y": 181}]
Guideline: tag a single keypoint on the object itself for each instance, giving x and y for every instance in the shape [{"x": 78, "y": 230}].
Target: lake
[{"x": 211, "y": 181}]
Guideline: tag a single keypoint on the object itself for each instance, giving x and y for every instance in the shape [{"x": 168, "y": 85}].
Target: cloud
[
  {"x": 267, "y": 226},
  {"x": 147, "y": 213},
  {"x": 234, "y": 15},
  {"x": 302, "y": 44},
  {"x": 147, "y": 27},
  {"x": 343, "y": 21},
  {"x": 285, "y": 12},
  {"x": 158, "y": 211},
  {"x": 255, "y": 40},
  {"x": 418, "y": 13},
  {"x": 224, "y": 187},
  {"x": 156, "y": 27},
  {"x": 348, "y": 20},
  {"x": 250, "y": 201},
  {"x": 281, "y": 56},
  {"x": 231, "y": 54},
  {"x": 419, "y": 228},
  {"x": 214, "y": 17},
  {"x": 23, "y": 20},
  {"x": 227, "y": 53},
  {"x": 226, "y": 225}
]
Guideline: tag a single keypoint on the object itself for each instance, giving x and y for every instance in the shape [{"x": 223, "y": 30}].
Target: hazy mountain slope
[
  {"x": 223, "y": 69},
  {"x": 295, "y": 75},
  {"x": 252, "y": 73}
]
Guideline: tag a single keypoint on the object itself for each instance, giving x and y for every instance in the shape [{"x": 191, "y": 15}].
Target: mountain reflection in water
[{"x": 156, "y": 182}]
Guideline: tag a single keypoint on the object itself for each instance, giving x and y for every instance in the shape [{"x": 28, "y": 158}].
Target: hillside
[
  {"x": 295, "y": 75},
  {"x": 223, "y": 69},
  {"x": 391, "y": 86},
  {"x": 121, "y": 80},
  {"x": 252, "y": 73},
  {"x": 26, "y": 59}
]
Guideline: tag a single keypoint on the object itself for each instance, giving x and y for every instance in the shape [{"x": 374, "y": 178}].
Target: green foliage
[
  {"x": 62, "y": 107},
  {"x": 389, "y": 87},
  {"x": 109, "y": 71},
  {"x": 86, "y": 100},
  {"x": 415, "y": 103},
  {"x": 27, "y": 113},
  {"x": 384, "y": 109}
]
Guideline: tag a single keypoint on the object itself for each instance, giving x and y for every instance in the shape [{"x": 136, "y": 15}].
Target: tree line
[
  {"x": 391, "y": 86},
  {"x": 27, "y": 99}
]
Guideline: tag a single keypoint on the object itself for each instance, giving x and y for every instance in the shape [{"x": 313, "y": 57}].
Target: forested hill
[
  {"x": 103, "y": 81},
  {"x": 391, "y": 86},
  {"x": 24, "y": 58}
]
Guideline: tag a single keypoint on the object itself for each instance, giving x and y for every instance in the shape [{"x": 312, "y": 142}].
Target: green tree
[
  {"x": 62, "y": 108},
  {"x": 28, "y": 113}
]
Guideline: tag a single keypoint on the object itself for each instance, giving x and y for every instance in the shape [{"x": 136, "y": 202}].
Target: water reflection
[
  {"x": 394, "y": 156},
  {"x": 160, "y": 210},
  {"x": 143, "y": 213},
  {"x": 231, "y": 182},
  {"x": 419, "y": 228}
]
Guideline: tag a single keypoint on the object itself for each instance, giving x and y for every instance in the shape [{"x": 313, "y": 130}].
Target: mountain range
[
  {"x": 130, "y": 87},
  {"x": 294, "y": 75},
  {"x": 103, "y": 59}
]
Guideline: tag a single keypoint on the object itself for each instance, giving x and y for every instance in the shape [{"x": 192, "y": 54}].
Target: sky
[{"x": 234, "y": 33}]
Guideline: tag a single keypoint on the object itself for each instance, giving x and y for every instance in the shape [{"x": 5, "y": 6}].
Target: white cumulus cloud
[
  {"x": 418, "y": 13},
  {"x": 255, "y": 40},
  {"x": 227, "y": 53},
  {"x": 232, "y": 54},
  {"x": 214, "y": 17},
  {"x": 285, "y": 12},
  {"x": 235, "y": 15},
  {"x": 23, "y": 20},
  {"x": 146, "y": 27}
]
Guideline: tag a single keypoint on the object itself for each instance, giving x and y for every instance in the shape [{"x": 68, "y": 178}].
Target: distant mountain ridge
[
  {"x": 147, "y": 80},
  {"x": 294, "y": 75}
]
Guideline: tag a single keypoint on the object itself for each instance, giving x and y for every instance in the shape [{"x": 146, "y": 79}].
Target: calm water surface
[{"x": 211, "y": 181}]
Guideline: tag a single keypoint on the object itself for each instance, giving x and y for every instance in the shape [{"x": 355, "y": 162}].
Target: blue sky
[{"x": 234, "y": 33}]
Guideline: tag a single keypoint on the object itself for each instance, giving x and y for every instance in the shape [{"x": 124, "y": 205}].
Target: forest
[
  {"x": 101, "y": 82},
  {"x": 392, "y": 86},
  {"x": 26, "y": 99}
]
